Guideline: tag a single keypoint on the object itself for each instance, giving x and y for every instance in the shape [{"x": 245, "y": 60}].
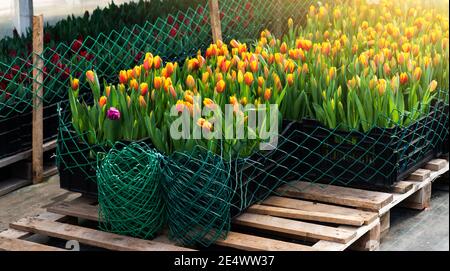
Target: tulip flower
[
  {"x": 267, "y": 94},
  {"x": 417, "y": 73},
  {"x": 433, "y": 85},
  {"x": 283, "y": 48},
  {"x": 75, "y": 84},
  {"x": 190, "y": 82},
  {"x": 134, "y": 84},
  {"x": 90, "y": 76},
  {"x": 142, "y": 101},
  {"x": 123, "y": 77},
  {"x": 220, "y": 86},
  {"x": 248, "y": 78},
  {"x": 113, "y": 114},
  {"x": 102, "y": 101},
  {"x": 157, "y": 82},
  {"x": 144, "y": 89},
  {"x": 403, "y": 78},
  {"x": 157, "y": 62},
  {"x": 290, "y": 79}
]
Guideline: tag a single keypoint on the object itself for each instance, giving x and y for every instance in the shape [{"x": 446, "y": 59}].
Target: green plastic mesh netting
[{"x": 130, "y": 191}]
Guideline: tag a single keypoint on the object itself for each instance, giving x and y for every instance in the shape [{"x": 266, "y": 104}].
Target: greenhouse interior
[{"x": 227, "y": 126}]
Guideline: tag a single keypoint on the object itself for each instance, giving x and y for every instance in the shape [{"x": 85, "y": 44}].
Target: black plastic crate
[
  {"x": 10, "y": 132},
  {"x": 50, "y": 128},
  {"x": 380, "y": 157}
]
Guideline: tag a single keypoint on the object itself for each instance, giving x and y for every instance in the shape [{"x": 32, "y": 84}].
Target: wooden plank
[
  {"x": 400, "y": 187},
  {"x": 15, "y": 234},
  {"x": 436, "y": 165},
  {"x": 419, "y": 175},
  {"x": 306, "y": 215},
  {"x": 216, "y": 25},
  {"x": 294, "y": 228},
  {"x": 256, "y": 243},
  {"x": 80, "y": 210},
  {"x": 366, "y": 217},
  {"x": 369, "y": 241},
  {"x": 420, "y": 200},
  {"x": 8, "y": 244},
  {"x": 90, "y": 237},
  {"x": 38, "y": 108},
  {"x": 385, "y": 224},
  {"x": 333, "y": 246},
  {"x": 337, "y": 195}
]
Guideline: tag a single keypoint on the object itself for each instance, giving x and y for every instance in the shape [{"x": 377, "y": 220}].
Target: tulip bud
[
  {"x": 261, "y": 81},
  {"x": 290, "y": 79},
  {"x": 290, "y": 23},
  {"x": 123, "y": 77},
  {"x": 205, "y": 77},
  {"x": 417, "y": 73},
  {"x": 148, "y": 63},
  {"x": 144, "y": 89},
  {"x": 157, "y": 62},
  {"x": 90, "y": 75},
  {"x": 142, "y": 101},
  {"x": 108, "y": 91},
  {"x": 75, "y": 84},
  {"x": 102, "y": 101},
  {"x": 190, "y": 82},
  {"x": 433, "y": 85},
  {"x": 220, "y": 86},
  {"x": 267, "y": 94},
  {"x": 157, "y": 82},
  {"x": 233, "y": 100},
  {"x": 134, "y": 85},
  {"x": 240, "y": 77},
  {"x": 248, "y": 78},
  {"x": 283, "y": 48}
]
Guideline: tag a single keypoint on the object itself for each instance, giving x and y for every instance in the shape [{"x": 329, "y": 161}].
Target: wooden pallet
[
  {"x": 308, "y": 218},
  {"x": 20, "y": 169}
]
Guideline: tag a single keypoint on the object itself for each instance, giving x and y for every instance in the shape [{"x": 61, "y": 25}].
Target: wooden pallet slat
[
  {"x": 354, "y": 214},
  {"x": 296, "y": 229},
  {"x": 353, "y": 197},
  {"x": 255, "y": 243},
  {"x": 13, "y": 244},
  {"x": 306, "y": 215},
  {"x": 91, "y": 237}
]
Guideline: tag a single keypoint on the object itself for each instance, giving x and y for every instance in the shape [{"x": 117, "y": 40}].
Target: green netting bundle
[
  {"x": 130, "y": 192},
  {"x": 198, "y": 197}
]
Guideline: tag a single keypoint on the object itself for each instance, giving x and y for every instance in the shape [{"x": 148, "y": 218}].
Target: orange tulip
[
  {"x": 417, "y": 73},
  {"x": 90, "y": 75},
  {"x": 267, "y": 94},
  {"x": 108, "y": 91},
  {"x": 134, "y": 84},
  {"x": 290, "y": 79},
  {"x": 157, "y": 62},
  {"x": 144, "y": 89},
  {"x": 283, "y": 48},
  {"x": 142, "y": 101},
  {"x": 75, "y": 84},
  {"x": 220, "y": 86},
  {"x": 205, "y": 77},
  {"x": 102, "y": 101},
  {"x": 248, "y": 78},
  {"x": 148, "y": 63},
  {"x": 123, "y": 77},
  {"x": 169, "y": 69},
  {"x": 261, "y": 81},
  {"x": 157, "y": 82},
  {"x": 190, "y": 82}
]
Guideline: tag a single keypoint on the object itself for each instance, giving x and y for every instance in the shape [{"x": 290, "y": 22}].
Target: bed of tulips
[
  {"x": 348, "y": 68},
  {"x": 354, "y": 68}
]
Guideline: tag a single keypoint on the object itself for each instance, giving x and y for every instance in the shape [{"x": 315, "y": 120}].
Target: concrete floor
[{"x": 410, "y": 230}]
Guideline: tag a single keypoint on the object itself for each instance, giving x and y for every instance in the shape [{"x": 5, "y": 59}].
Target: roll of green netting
[
  {"x": 198, "y": 197},
  {"x": 130, "y": 191}
]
